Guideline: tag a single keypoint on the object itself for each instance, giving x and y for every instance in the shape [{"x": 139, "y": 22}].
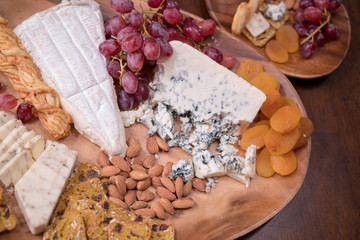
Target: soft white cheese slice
[
  {"x": 257, "y": 24},
  {"x": 38, "y": 191},
  {"x": 7, "y": 127},
  {"x": 5, "y": 117},
  {"x": 63, "y": 41},
  {"x": 191, "y": 81},
  {"x": 10, "y": 140}
]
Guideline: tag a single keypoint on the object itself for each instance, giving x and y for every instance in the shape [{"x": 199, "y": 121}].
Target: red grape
[
  {"x": 214, "y": 54},
  {"x": 158, "y": 31},
  {"x": 299, "y": 15},
  {"x": 131, "y": 42},
  {"x": 150, "y": 63},
  {"x": 113, "y": 68},
  {"x": 334, "y": 4},
  {"x": 185, "y": 40},
  {"x": 165, "y": 48},
  {"x": 322, "y": 4},
  {"x": 109, "y": 47},
  {"x": 207, "y": 27},
  {"x": 142, "y": 93},
  {"x": 192, "y": 31},
  {"x": 154, "y": 3},
  {"x": 107, "y": 29},
  {"x": 306, "y": 3},
  {"x": 311, "y": 28},
  {"x": 320, "y": 39},
  {"x": 313, "y": 14},
  {"x": 7, "y": 102},
  {"x": 125, "y": 100},
  {"x": 122, "y": 6},
  {"x": 24, "y": 112},
  {"x": 308, "y": 49},
  {"x": 331, "y": 31},
  {"x": 116, "y": 23},
  {"x": 151, "y": 48},
  {"x": 171, "y": 4},
  {"x": 301, "y": 29},
  {"x": 173, "y": 34},
  {"x": 143, "y": 77},
  {"x": 172, "y": 16},
  {"x": 189, "y": 19},
  {"x": 134, "y": 19},
  {"x": 124, "y": 32},
  {"x": 135, "y": 60},
  {"x": 228, "y": 61},
  {"x": 129, "y": 82}
]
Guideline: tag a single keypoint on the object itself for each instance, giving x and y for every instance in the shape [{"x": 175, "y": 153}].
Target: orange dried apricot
[
  {"x": 276, "y": 52},
  {"x": 263, "y": 122},
  {"x": 287, "y": 36},
  {"x": 249, "y": 68},
  {"x": 285, "y": 119},
  {"x": 254, "y": 135},
  {"x": 289, "y": 101},
  {"x": 263, "y": 165},
  {"x": 284, "y": 164},
  {"x": 306, "y": 129},
  {"x": 264, "y": 81},
  {"x": 280, "y": 143},
  {"x": 273, "y": 102}
]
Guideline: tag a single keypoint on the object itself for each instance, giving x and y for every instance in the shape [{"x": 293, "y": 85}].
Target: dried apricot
[
  {"x": 287, "y": 36},
  {"x": 273, "y": 102},
  {"x": 254, "y": 135},
  {"x": 284, "y": 164},
  {"x": 285, "y": 119},
  {"x": 280, "y": 143},
  {"x": 249, "y": 68},
  {"x": 276, "y": 52},
  {"x": 306, "y": 129},
  {"x": 263, "y": 165},
  {"x": 264, "y": 81},
  {"x": 263, "y": 122},
  {"x": 290, "y": 101}
]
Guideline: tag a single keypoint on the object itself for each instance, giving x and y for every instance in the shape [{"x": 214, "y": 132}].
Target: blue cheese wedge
[
  {"x": 257, "y": 25},
  {"x": 38, "y": 191}
]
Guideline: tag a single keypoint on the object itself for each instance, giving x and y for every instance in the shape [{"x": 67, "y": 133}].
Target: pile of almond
[{"x": 142, "y": 185}]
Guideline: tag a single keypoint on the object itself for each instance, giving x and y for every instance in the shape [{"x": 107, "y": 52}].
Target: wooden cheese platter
[
  {"x": 228, "y": 211},
  {"x": 326, "y": 59}
]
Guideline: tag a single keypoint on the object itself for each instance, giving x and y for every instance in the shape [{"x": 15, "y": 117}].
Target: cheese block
[
  {"x": 7, "y": 127},
  {"x": 5, "y": 117},
  {"x": 38, "y": 191},
  {"x": 12, "y": 137},
  {"x": 257, "y": 24},
  {"x": 63, "y": 41},
  {"x": 191, "y": 81},
  {"x": 35, "y": 146}
]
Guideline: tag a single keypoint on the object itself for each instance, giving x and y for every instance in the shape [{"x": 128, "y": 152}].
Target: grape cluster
[
  {"x": 313, "y": 23},
  {"x": 136, "y": 40}
]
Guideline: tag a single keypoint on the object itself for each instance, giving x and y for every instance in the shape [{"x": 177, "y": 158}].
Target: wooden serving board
[
  {"x": 325, "y": 59},
  {"x": 228, "y": 211}
]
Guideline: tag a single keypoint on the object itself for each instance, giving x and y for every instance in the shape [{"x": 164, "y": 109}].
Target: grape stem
[
  {"x": 122, "y": 65},
  {"x": 311, "y": 36}
]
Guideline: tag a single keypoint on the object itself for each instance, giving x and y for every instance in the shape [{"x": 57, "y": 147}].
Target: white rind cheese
[
  {"x": 38, "y": 191},
  {"x": 63, "y": 41}
]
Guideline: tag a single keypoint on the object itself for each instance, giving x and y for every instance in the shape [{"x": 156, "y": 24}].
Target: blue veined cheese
[
  {"x": 210, "y": 184},
  {"x": 275, "y": 11},
  {"x": 164, "y": 121},
  {"x": 185, "y": 125},
  {"x": 190, "y": 81},
  {"x": 183, "y": 169},
  {"x": 207, "y": 165},
  {"x": 257, "y": 24}
]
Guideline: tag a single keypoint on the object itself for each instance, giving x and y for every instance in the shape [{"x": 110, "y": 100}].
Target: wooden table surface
[{"x": 328, "y": 204}]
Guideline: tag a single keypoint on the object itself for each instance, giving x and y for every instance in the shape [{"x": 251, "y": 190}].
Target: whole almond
[
  {"x": 187, "y": 188},
  {"x": 120, "y": 163},
  {"x": 138, "y": 175},
  {"x": 114, "y": 192},
  {"x": 199, "y": 184},
  {"x": 139, "y": 204},
  {"x": 168, "y": 184},
  {"x": 149, "y": 161},
  {"x": 145, "y": 196},
  {"x": 144, "y": 184},
  {"x": 155, "y": 170},
  {"x": 167, "y": 206},
  {"x": 164, "y": 193},
  {"x": 167, "y": 169},
  {"x": 179, "y": 184},
  {"x": 152, "y": 145},
  {"x": 133, "y": 150},
  {"x": 138, "y": 167},
  {"x": 120, "y": 184},
  {"x": 109, "y": 171},
  {"x": 147, "y": 212},
  {"x": 159, "y": 211},
  {"x": 134, "y": 160},
  {"x": 162, "y": 144},
  {"x": 130, "y": 197},
  {"x": 118, "y": 202},
  {"x": 103, "y": 160},
  {"x": 156, "y": 182},
  {"x": 131, "y": 140},
  {"x": 124, "y": 174},
  {"x": 112, "y": 179},
  {"x": 183, "y": 203},
  {"x": 130, "y": 183}
]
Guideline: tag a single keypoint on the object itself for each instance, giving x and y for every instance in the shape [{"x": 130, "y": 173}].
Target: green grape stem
[{"x": 312, "y": 35}]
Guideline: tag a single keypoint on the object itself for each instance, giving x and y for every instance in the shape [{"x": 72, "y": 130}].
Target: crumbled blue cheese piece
[
  {"x": 207, "y": 165},
  {"x": 257, "y": 24},
  {"x": 275, "y": 11},
  {"x": 185, "y": 125},
  {"x": 210, "y": 184},
  {"x": 164, "y": 121},
  {"x": 129, "y": 117},
  {"x": 183, "y": 169}
]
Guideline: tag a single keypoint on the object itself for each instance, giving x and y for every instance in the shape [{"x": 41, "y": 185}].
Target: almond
[
  {"x": 120, "y": 163},
  {"x": 164, "y": 193},
  {"x": 187, "y": 189},
  {"x": 168, "y": 184},
  {"x": 199, "y": 184},
  {"x": 179, "y": 184},
  {"x": 162, "y": 144},
  {"x": 145, "y": 196},
  {"x": 155, "y": 170},
  {"x": 156, "y": 182},
  {"x": 138, "y": 175},
  {"x": 158, "y": 209},
  {"x": 109, "y": 171},
  {"x": 124, "y": 174},
  {"x": 133, "y": 150},
  {"x": 138, "y": 167},
  {"x": 114, "y": 192},
  {"x": 149, "y": 161},
  {"x": 167, "y": 206},
  {"x": 139, "y": 204},
  {"x": 120, "y": 184},
  {"x": 130, "y": 183},
  {"x": 112, "y": 179},
  {"x": 144, "y": 184},
  {"x": 152, "y": 146},
  {"x": 103, "y": 160},
  {"x": 118, "y": 202},
  {"x": 183, "y": 203},
  {"x": 145, "y": 212},
  {"x": 131, "y": 140},
  {"x": 130, "y": 197},
  {"x": 136, "y": 160},
  {"x": 167, "y": 169}
]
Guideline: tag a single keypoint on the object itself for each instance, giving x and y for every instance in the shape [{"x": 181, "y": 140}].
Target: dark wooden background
[{"x": 328, "y": 204}]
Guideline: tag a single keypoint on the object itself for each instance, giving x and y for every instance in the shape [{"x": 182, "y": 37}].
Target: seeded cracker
[
  {"x": 82, "y": 173},
  {"x": 128, "y": 230},
  {"x": 7, "y": 217}
]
